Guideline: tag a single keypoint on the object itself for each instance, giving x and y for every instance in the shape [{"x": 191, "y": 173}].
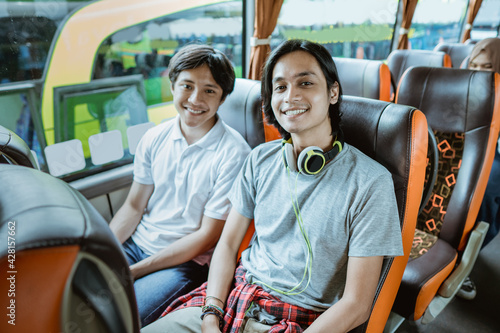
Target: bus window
[
  {"x": 486, "y": 23},
  {"x": 27, "y": 32},
  {"x": 97, "y": 116},
  {"x": 352, "y": 29},
  {"x": 148, "y": 47},
  {"x": 436, "y": 21}
]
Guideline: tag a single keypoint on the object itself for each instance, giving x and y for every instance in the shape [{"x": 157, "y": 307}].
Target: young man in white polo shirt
[{"x": 183, "y": 170}]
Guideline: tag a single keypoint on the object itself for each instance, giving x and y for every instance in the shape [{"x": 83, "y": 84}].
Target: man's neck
[
  {"x": 194, "y": 134},
  {"x": 302, "y": 141}
]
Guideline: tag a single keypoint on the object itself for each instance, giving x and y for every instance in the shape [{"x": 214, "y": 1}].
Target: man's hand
[
  {"x": 129, "y": 215},
  {"x": 135, "y": 271}
]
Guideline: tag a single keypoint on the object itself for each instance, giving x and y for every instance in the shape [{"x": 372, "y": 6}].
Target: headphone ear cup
[
  {"x": 290, "y": 156},
  {"x": 311, "y": 160}
]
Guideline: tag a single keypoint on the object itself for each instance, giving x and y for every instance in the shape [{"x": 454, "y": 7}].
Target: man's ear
[{"x": 334, "y": 93}]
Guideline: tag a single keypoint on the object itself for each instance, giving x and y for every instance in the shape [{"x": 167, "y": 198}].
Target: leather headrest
[
  {"x": 450, "y": 98},
  {"x": 52, "y": 213},
  {"x": 364, "y": 78},
  {"x": 457, "y": 52},
  {"x": 400, "y": 60},
  {"x": 242, "y": 110}
]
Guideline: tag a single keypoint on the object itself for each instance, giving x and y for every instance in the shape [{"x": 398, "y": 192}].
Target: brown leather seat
[
  {"x": 400, "y": 60},
  {"x": 396, "y": 137},
  {"x": 364, "y": 78},
  {"x": 463, "y": 108},
  {"x": 457, "y": 52},
  {"x": 68, "y": 270}
]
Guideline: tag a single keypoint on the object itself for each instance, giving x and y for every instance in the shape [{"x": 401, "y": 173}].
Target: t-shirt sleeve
[
  {"x": 218, "y": 205},
  {"x": 142, "y": 160},
  {"x": 242, "y": 195},
  {"x": 375, "y": 228}
]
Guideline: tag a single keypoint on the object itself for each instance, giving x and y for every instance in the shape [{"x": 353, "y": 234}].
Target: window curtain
[
  {"x": 408, "y": 11},
  {"x": 266, "y": 17},
  {"x": 474, "y": 6}
]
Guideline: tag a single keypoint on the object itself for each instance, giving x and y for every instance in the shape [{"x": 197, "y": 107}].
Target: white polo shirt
[{"x": 190, "y": 181}]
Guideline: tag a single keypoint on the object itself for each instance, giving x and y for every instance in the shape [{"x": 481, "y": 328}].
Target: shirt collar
[
  {"x": 208, "y": 141},
  {"x": 177, "y": 133}
]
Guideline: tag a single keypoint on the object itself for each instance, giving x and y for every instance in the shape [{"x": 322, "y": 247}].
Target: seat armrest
[{"x": 451, "y": 285}]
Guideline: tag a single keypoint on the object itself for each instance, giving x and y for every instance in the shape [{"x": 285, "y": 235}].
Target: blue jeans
[{"x": 155, "y": 291}]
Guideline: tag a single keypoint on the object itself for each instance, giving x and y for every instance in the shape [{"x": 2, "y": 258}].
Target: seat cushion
[{"x": 422, "y": 278}]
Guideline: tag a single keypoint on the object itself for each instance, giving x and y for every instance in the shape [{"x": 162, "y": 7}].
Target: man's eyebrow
[
  {"x": 305, "y": 73},
  {"x": 210, "y": 85},
  {"x": 298, "y": 75}
]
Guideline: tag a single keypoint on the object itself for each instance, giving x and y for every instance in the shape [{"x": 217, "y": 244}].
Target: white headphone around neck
[{"x": 311, "y": 160}]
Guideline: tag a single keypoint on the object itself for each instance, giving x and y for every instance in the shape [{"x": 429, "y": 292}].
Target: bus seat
[
  {"x": 13, "y": 149},
  {"x": 66, "y": 268},
  {"x": 457, "y": 52},
  {"x": 400, "y": 60},
  {"x": 364, "y": 78},
  {"x": 242, "y": 110},
  {"x": 395, "y": 136},
  {"x": 463, "y": 109}
]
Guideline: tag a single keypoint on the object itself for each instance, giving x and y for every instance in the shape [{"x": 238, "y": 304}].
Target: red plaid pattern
[{"x": 240, "y": 299}]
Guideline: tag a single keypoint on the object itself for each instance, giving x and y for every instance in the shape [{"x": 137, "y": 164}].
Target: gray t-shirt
[{"x": 348, "y": 209}]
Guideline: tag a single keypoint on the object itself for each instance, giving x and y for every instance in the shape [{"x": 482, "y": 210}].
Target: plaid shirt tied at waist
[{"x": 240, "y": 299}]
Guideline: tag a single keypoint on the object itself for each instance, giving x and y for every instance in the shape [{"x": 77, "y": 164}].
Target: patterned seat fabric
[{"x": 430, "y": 220}]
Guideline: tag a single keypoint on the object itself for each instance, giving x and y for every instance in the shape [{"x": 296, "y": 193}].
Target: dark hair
[
  {"x": 328, "y": 68},
  {"x": 195, "y": 55}
]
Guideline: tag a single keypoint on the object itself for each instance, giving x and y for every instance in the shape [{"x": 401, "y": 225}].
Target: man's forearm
[
  {"x": 124, "y": 223},
  {"x": 221, "y": 273},
  {"x": 129, "y": 215},
  {"x": 179, "y": 252},
  {"x": 354, "y": 307},
  {"x": 343, "y": 316},
  {"x": 220, "y": 278}
]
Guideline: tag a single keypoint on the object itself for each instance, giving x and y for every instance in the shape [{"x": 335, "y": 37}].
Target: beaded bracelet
[
  {"x": 214, "y": 308},
  {"x": 215, "y": 313}
]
